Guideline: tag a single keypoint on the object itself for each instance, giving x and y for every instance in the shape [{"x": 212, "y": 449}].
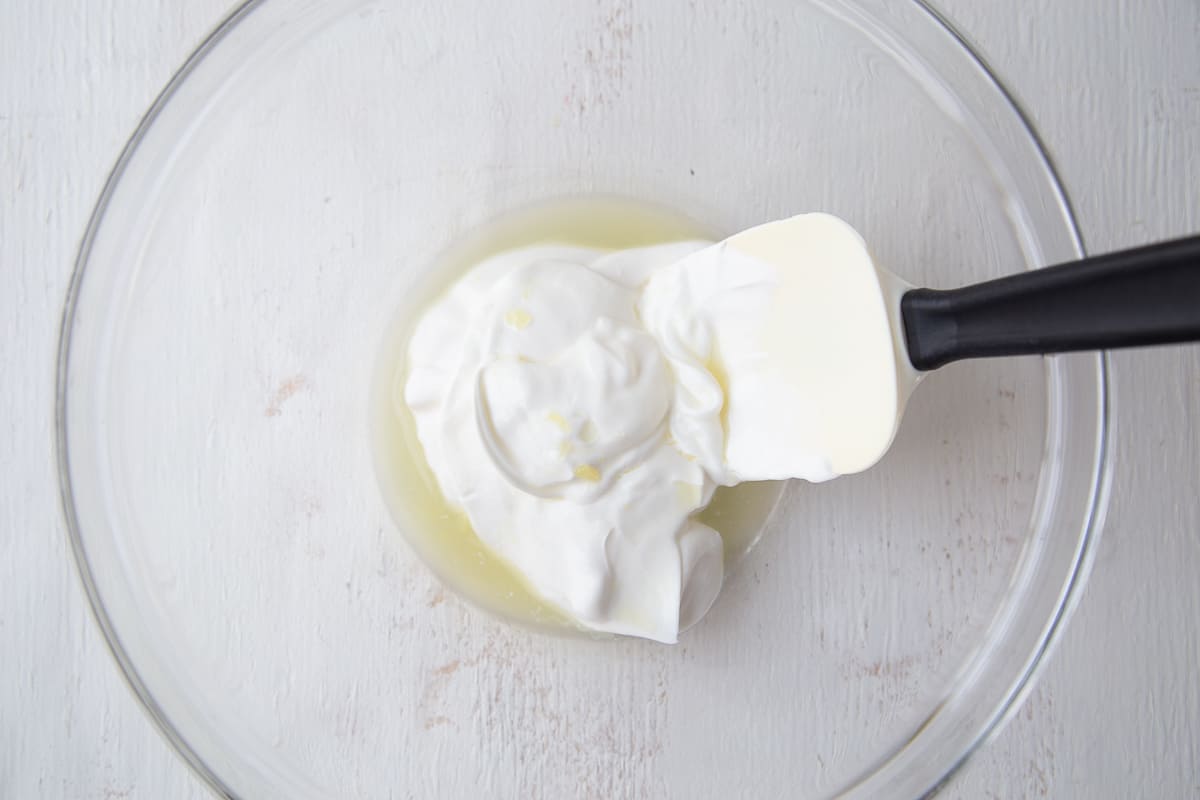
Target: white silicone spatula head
[{"x": 828, "y": 346}]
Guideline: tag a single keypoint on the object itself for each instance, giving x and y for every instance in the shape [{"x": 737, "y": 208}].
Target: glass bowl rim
[{"x": 1072, "y": 589}]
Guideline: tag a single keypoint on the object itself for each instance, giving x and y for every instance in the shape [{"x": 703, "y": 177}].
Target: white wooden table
[{"x": 1112, "y": 85}]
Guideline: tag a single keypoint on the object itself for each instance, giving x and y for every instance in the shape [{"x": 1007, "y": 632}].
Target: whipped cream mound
[{"x": 581, "y": 406}]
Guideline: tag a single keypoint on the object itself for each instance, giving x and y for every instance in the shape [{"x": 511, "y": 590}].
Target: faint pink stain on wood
[
  {"x": 448, "y": 668},
  {"x": 284, "y": 393}
]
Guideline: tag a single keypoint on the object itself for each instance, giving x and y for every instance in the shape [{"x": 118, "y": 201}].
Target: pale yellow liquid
[{"x": 440, "y": 533}]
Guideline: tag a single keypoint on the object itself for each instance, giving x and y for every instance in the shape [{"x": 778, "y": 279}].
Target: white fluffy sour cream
[{"x": 581, "y": 406}]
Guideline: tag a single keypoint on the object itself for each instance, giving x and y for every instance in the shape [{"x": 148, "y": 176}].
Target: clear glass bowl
[{"x": 289, "y": 188}]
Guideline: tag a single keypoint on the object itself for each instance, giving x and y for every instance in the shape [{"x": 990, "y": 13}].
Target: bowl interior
[{"x": 285, "y": 197}]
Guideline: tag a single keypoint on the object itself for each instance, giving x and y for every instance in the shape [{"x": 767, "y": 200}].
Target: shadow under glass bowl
[{"x": 294, "y": 182}]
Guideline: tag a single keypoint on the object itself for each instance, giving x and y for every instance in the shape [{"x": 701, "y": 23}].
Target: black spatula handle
[{"x": 1149, "y": 295}]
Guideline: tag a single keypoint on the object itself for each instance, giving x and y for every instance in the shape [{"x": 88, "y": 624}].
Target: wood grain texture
[{"x": 1114, "y": 89}]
